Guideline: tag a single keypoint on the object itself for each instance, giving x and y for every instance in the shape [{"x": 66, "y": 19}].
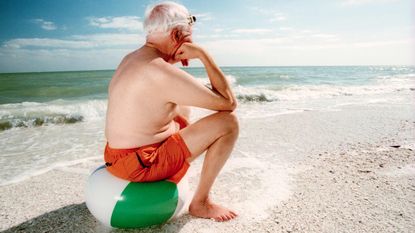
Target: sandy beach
[{"x": 351, "y": 169}]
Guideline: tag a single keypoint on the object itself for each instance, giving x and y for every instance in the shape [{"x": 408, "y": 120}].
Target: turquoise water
[
  {"x": 77, "y": 85},
  {"x": 47, "y": 86}
]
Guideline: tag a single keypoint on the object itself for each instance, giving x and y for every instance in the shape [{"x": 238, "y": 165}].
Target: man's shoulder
[
  {"x": 163, "y": 72},
  {"x": 161, "y": 66}
]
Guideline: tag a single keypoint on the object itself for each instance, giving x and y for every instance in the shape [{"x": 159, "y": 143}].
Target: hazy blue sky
[{"x": 78, "y": 35}]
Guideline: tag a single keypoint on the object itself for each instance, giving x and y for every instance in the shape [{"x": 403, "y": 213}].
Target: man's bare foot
[{"x": 207, "y": 209}]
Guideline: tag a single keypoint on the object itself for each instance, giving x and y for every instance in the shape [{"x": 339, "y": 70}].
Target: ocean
[{"x": 55, "y": 119}]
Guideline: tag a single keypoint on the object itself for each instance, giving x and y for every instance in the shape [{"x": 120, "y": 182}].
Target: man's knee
[{"x": 230, "y": 122}]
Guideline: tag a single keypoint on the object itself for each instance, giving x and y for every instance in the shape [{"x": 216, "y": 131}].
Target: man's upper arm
[{"x": 181, "y": 88}]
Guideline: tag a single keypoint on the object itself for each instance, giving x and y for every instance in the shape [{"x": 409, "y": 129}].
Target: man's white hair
[{"x": 165, "y": 16}]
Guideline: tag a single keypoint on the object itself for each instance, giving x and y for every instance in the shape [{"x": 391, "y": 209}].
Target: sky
[{"x": 49, "y": 35}]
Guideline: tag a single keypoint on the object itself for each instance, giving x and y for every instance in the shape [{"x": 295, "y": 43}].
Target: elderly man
[{"x": 147, "y": 130}]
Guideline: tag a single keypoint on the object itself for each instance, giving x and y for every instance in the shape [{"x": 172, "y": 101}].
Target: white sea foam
[
  {"x": 60, "y": 165},
  {"x": 35, "y": 150},
  {"x": 230, "y": 78},
  {"x": 29, "y": 114},
  {"x": 383, "y": 85},
  {"x": 89, "y": 109}
]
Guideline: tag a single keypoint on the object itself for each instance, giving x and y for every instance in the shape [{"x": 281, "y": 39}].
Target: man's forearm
[{"x": 217, "y": 78}]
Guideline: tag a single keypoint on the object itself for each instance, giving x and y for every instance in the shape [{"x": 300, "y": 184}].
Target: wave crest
[
  {"x": 253, "y": 98},
  {"x": 9, "y": 122},
  {"x": 33, "y": 114}
]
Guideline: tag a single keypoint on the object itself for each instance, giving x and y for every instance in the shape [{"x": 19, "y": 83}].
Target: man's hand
[{"x": 188, "y": 51}]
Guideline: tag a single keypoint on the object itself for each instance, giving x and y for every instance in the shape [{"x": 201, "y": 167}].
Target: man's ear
[{"x": 176, "y": 35}]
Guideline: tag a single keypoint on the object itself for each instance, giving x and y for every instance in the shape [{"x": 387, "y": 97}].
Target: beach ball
[{"x": 123, "y": 204}]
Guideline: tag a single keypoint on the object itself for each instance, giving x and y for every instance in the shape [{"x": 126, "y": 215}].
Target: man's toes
[
  {"x": 234, "y": 213},
  {"x": 219, "y": 219},
  {"x": 227, "y": 217}
]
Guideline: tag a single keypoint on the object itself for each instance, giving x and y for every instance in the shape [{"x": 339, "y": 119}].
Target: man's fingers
[
  {"x": 185, "y": 62},
  {"x": 180, "y": 56}
]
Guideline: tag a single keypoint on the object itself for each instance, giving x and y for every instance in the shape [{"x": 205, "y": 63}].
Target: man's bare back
[
  {"x": 137, "y": 114},
  {"x": 147, "y": 92}
]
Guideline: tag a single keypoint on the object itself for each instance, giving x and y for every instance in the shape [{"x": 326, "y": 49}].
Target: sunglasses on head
[{"x": 191, "y": 19}]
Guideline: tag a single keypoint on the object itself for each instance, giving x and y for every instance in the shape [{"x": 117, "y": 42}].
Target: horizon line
[{"x": 231, "y": 66}]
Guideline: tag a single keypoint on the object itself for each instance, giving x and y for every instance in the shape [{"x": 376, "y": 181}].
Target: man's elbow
[
  {"x": 231, "y": 105},
  {"x": 234, "y": 104}
]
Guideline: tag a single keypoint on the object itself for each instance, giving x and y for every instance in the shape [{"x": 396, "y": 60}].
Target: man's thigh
[{"x": 204, "y": 132}]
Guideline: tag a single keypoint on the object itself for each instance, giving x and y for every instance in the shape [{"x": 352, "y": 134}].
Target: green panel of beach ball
[{"x": 145, "y": 204}]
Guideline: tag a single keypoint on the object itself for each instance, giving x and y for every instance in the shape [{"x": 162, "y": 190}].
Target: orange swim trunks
[{"x": 164, "y": 160}]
